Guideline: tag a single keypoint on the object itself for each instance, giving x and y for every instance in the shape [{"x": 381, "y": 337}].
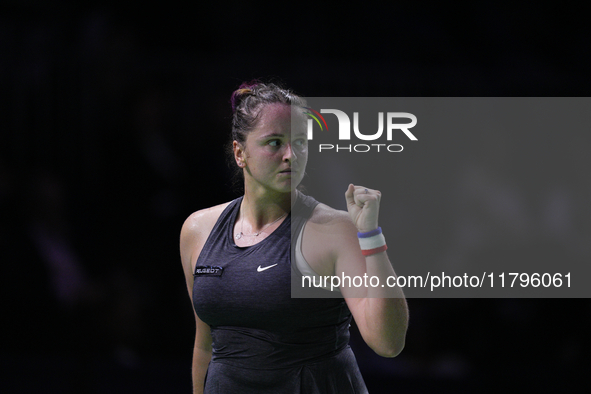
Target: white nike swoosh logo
[{"x": 266, "y": 268}]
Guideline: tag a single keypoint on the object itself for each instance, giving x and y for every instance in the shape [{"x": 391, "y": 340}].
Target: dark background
[{"x": 114, "y": 120}]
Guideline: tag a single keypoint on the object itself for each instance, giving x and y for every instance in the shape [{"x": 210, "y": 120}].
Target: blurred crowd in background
[{"x": 113, "y": 131}]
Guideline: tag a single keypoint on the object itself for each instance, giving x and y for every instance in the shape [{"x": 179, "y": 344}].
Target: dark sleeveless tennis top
[{"x": 265, "y": 341}]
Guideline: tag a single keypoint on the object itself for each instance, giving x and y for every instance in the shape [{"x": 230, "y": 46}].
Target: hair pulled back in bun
[{"x": 248, "y": 100}]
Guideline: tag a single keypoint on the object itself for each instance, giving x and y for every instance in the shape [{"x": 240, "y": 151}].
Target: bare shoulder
[
  {"x": 203, "y": 218},
  {"x": 328, "y": 233},
  {"x": 331, "y": 220},
  {"x": 195, "y": 231},
  {"x": 200, "y": 223},
  {"x": 331, "y": 228}
]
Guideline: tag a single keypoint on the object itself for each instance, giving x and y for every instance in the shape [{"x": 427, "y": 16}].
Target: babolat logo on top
[{"x": 381, "y": 142}]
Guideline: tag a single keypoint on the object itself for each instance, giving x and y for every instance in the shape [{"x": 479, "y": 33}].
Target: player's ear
[{"x": 239, "y": 154}]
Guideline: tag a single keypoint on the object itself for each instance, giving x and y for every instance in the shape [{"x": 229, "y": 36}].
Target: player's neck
[{"x": 262, "y": 208}]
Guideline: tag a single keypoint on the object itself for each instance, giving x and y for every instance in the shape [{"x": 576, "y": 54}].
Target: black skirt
[{"x": 338, "y": 374}]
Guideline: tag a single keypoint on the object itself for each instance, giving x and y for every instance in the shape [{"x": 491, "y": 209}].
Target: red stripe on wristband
[{"x": 369, "y": 252}]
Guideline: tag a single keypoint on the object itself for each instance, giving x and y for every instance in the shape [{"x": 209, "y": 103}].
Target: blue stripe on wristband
[{"x": 370, "y": 233}]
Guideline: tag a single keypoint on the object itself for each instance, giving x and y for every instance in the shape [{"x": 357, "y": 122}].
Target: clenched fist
[{"x": 363, "y": 205}]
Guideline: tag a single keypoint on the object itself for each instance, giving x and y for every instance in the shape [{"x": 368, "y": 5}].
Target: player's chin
[
  {"x": 287, "y": 186},
  {"x": 289, "y": 178}
]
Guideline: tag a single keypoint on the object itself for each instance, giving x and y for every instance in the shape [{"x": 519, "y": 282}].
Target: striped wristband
[{"x": 372, "y": 242}]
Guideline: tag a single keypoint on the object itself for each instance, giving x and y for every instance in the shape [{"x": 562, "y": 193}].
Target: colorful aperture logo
[
  {"x": 315, "y": 115},
  {"x": 387, "y": 124}
]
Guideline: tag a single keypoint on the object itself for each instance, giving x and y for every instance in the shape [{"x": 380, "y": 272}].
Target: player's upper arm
[
  {"x": 330, "y": 242},
  {"x": 194, "y": 233}
]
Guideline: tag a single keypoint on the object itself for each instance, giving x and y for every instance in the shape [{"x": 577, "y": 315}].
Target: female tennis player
[{"x": 239, "y": 262}]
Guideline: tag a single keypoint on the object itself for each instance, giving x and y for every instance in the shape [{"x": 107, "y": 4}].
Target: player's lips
[{"x": 289, "y": 171}]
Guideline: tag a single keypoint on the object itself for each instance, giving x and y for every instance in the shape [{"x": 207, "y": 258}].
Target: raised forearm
[
  {"x": 380, "y": 308},
  {"x": 386, "y": 311}
]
